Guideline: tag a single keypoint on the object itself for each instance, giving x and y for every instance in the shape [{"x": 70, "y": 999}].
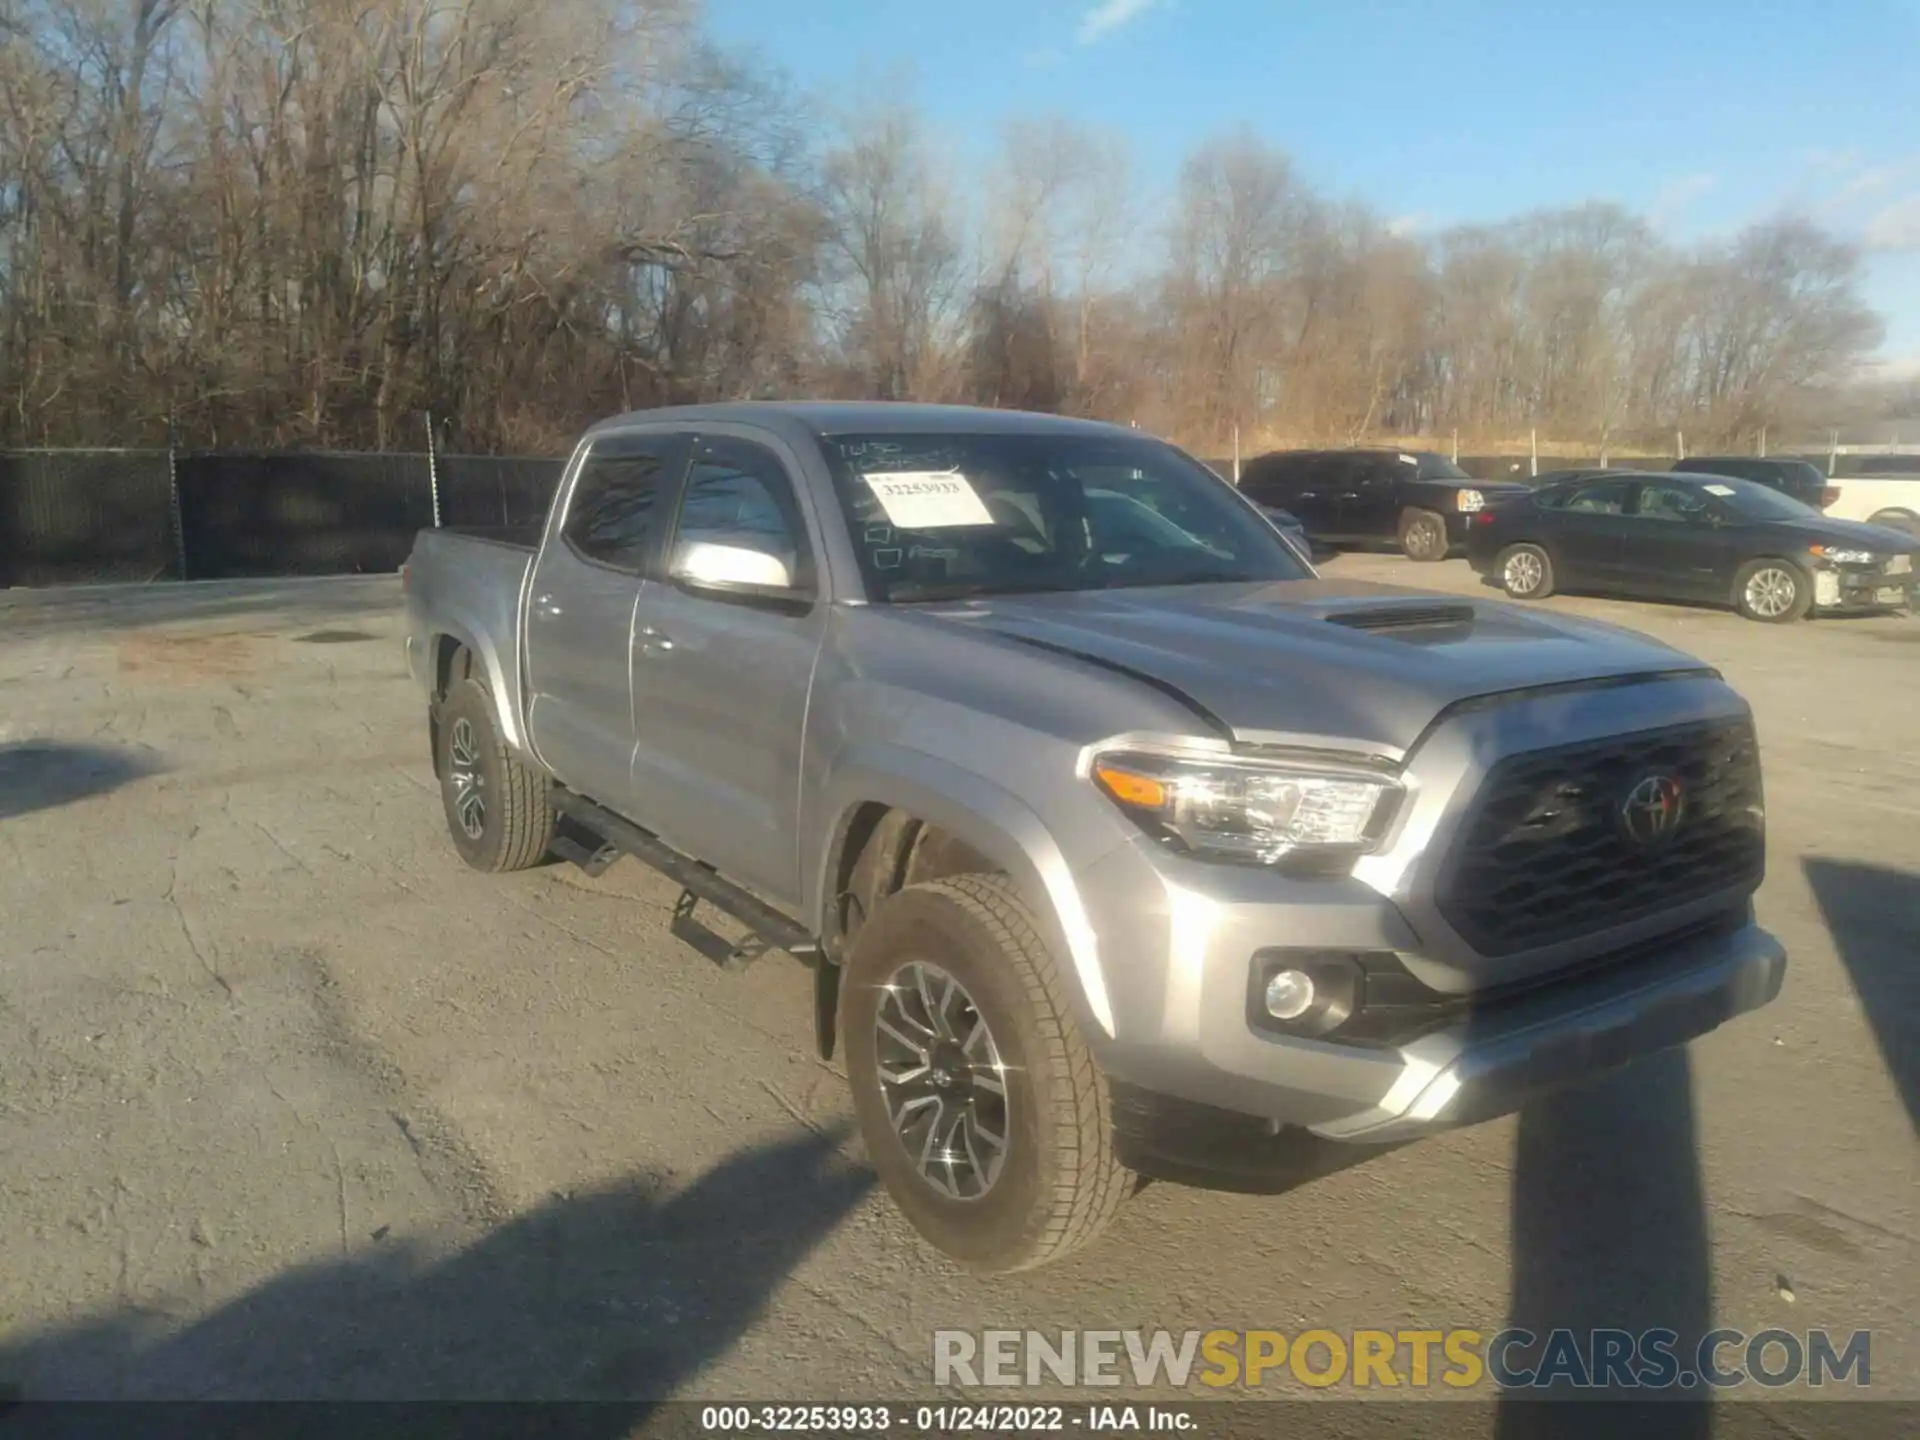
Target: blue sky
[{"x": 1701, "y": 114}]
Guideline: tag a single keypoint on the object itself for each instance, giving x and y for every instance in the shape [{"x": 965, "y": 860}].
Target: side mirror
[{"x": 737, "y": 569}]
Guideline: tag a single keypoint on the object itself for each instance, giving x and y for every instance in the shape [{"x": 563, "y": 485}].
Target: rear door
[
  {"x": 1369, "y": 500},
  {"x": 1675, "y": 546},
  {"x": 720, "y": 684},
  {"x": 597, "y": 557},
  {"x": 1317, "y": 506},
  {"x": 1277, "y": 481},
  {"x": 1592, "y": 529}
]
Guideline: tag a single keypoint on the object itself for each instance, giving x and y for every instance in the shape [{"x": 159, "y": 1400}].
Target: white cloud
[
  {"x": 1108, "y": 17},
  {"x": 1413, "y": 224},
  {"x": 1895, "y": 227}
]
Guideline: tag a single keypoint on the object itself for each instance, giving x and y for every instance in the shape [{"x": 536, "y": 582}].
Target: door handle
[
  {"x": 652, "y": 639},
  {"x": 544, "y": 605}
]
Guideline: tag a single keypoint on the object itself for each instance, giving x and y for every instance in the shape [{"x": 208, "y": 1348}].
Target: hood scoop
[{"x": 1405, "y": 617}]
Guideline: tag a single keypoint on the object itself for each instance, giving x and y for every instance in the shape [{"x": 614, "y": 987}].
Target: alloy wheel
[
  {"x": 469, "y": 785},
  {"x": 1523, "y": 573},
  {"x": 1771, "y": 592},
  {"x": 942, "y": 1080}
]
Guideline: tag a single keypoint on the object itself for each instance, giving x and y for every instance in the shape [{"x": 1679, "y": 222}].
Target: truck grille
[{"x": 1549, "y": 851}]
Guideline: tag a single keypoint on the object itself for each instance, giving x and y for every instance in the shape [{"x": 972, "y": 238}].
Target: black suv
[
  {"x": 1800, "y": 479},
  {"x": 1417, "y": 500}
]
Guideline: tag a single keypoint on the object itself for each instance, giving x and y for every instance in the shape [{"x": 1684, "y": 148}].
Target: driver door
[
  {"x": 720, "y": 683},
  {"x": 1677, "y": 548}
]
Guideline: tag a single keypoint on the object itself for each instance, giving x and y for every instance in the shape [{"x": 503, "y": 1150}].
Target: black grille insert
[{"x": 1547, "y": 853}]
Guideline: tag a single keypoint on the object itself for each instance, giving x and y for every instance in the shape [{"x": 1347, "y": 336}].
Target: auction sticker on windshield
[{"x": 928, "y": 499}]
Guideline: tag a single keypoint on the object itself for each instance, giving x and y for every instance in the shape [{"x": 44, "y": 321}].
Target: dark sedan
[{"x": 1706, "y": 538}]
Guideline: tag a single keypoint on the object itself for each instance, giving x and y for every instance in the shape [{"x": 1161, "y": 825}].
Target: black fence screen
[
  {"x": 70, "y": 517},
  {"x": 312, "y": 514},
  {"x": 494, "y": 491}
]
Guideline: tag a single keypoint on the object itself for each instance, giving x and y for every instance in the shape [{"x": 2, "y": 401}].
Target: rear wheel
[
  {"x": 497, "y": 808},
  {"x": 977, "y": 1098},
  {"x": 1423, "y": 535},
  {"x": 1772, "y": 591},
  {"x": 1526, "y": 572}
]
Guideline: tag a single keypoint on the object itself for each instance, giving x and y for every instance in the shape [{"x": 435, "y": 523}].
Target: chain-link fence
[{"x": 101, "y": 516}]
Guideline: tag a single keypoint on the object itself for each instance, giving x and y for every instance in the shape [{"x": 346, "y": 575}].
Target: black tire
[
  {"x": 1058, "y": 1183},
  {"x": 1423, "y": 536},
  {"x": 1514, "y": 572},
  {"x": 515, "y": 821},
  {"x": 1758, "y": 597}
]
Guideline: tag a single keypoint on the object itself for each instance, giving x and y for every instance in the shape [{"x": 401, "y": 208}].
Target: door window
[
  {"x": 613, "y": 515},
  {"x": 1604, "y": 497},
  {"x": 738, "y": 493},
  {"x": 1678, "y": 503}
]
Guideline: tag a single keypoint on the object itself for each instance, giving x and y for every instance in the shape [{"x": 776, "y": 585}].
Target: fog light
[{"x": 1289, "y": 994}]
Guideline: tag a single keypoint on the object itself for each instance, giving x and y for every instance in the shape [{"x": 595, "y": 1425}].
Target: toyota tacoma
[{"x": 1118, "y": 840}]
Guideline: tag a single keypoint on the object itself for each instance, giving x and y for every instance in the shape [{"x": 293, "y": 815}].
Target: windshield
[
  {"x": 1438, "y": 467},
  {"x": 1754, "y": 501},
  {"x": 942, "y": 517}
]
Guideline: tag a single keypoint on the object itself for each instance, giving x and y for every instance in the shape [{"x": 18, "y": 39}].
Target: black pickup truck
[{"x": 1414, "y": 499}]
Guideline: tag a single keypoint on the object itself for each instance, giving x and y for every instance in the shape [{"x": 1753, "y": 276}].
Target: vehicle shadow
[
  {"x": 1609, "y": 1232},
  {"x": 46, "y": 774},
  {"x": 1873, "y": 914},
  {"x": 618, "y": 1295}
]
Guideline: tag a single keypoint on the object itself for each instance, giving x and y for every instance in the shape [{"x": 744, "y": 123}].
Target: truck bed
[{"x": 472, "y": 582}]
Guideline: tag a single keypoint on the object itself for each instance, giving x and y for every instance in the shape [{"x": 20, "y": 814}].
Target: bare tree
[{"x": 284, "y": 222}]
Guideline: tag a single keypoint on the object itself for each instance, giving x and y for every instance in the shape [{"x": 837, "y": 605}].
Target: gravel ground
[{"x": 292, "y": 1104}]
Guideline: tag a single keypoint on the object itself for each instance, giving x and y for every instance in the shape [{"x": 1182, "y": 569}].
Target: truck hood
[{"x": 1309, "y": 660}]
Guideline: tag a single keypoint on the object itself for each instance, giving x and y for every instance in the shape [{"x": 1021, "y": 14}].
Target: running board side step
[{"x": 769, "y": 929}]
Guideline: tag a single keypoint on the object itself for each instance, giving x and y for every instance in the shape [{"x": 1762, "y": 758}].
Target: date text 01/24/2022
[{"x": 941, "y": 1419}]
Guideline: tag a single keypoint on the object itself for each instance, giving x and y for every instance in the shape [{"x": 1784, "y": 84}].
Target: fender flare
[
  {"x": 488, "y": 660},
  {"x": 990, "y": 819}
]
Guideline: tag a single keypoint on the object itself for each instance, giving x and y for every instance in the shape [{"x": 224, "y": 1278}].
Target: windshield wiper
[{"x": 973, "y": 589}]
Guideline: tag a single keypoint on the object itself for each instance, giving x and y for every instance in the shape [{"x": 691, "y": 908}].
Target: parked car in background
[
  {"x": 1707, "y": 538},
  {"x": 1413, "y": 499},
  {"x": 1799, "y": 478},
  {"x": 1889, "y": 500}
]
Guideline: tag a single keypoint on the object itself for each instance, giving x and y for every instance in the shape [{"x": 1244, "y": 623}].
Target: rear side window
[
  {"x": 615, "y": 512},
  {"x": 1603, "y": 497}
]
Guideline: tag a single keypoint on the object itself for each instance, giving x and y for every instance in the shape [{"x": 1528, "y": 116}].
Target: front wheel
[
  {"x": 1526, "y": 572},
  {"x": 497, "y": 808},
  {"x": 980, "y": 1105},
  {"x": 1772, "y": 591},
  {"x": 1423, "y": 535}
]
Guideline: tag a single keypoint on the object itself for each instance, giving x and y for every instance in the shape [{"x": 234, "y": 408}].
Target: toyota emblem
[{"x": 1651, "y": 812}]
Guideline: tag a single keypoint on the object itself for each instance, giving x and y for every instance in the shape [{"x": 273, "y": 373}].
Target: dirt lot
[{"x": 293, "y": 1104}]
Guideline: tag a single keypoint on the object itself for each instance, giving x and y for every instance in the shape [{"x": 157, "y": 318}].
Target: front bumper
[
  {"x": 1860, "y": 587},
  {"x": 1573, "y": 1031},
  {"x": 1177, "y": 940}
]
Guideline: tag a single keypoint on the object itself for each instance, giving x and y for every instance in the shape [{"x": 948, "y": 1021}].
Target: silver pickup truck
[{"x": 1117, "y": 839}]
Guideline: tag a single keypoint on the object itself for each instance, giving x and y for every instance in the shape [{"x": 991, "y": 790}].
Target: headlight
[
  {"x": 1842, "y": 557},
  {"x": 1252, "y": 811},
  {"x": 1470, "y": 501}
]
